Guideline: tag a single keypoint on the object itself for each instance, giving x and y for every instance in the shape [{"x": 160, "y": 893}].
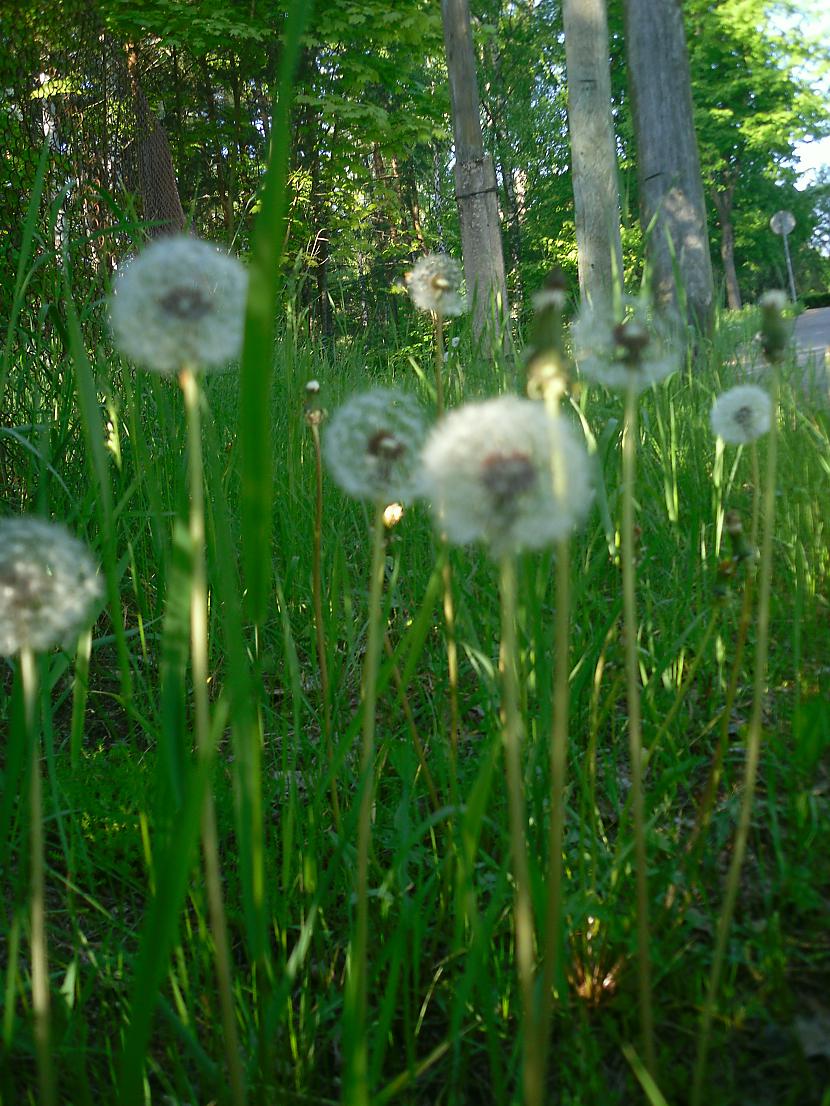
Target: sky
[{"x": 814, "y": 155}]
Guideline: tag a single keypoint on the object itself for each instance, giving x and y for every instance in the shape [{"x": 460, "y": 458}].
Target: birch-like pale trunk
[
  {"x": 593, "y": 151},
  {"x": 672, "y": 208},
  {"x": 475, "y": 177}
]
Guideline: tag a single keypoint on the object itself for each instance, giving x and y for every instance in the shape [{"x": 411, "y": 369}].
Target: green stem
[
  {"x": 319, "y": 625},
  {"x": 634, "y": 728},
  {"x": 446, "y": 571},
  {"x": 204, "y": 746},
  {"x": 753, "y": 753},
  {"x": 439, "y": 363},
  {"x": 558, "y": 776},
  {"x": 704, "y": 814},
  {"x": 40, "y": 961},
  {"x": 356, "y": 998},
  {"x": 532, "y": 1074}
]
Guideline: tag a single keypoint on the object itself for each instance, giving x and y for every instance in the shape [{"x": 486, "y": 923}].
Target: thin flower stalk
[
  {"x": 532, "y": 1066},
  {"x": 356, "y": 997},
  {"x": 630, "y": 433},
  {"x": 707, "y": 803},
  {"x": 446, "y": 570},
  {"x": 314, "y": 416},
  {"x": 40, "y": 961},
  {"x": 553, "y": 385},
  {"x": 201, "y": 710},
  {"x": 753, "y": 753}
]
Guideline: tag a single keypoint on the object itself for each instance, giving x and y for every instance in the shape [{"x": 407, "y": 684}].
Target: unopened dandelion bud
[
  {"x": 548, "y": 372},
  {"x": 314, "y": 412},
  {"x": 742, "y": 549},
  {"x": 775, "y": 328},
  {"x": 553, "y": 294}
]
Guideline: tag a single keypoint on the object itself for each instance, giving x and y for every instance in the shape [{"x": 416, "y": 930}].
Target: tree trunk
[
  {"x": 593, "y": 152},
  {"x": 156, "y": 175},
  {"x": 722, "y": 200},
  {"x": 672, "y": 210},
  {"x": 475, "y": 177}
]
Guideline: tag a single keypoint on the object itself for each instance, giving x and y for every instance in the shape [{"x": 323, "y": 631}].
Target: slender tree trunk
[
  {"x": 672, "y": 209},
  {"x": 593, "y": 152},
  {"x": 156, "y": 175},
  {"x": 722, "y": 199},
  {"x": 475, "y": 177}
]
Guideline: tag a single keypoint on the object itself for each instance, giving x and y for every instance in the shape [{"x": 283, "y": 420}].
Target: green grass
[{"x": 443, "y": 996}]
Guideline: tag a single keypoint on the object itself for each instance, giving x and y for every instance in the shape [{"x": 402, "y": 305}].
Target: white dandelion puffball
[
  {"x": 373, "y": 443},
  {"x": 623, "y": 347},
  {"x": 180, "y": 303},
  {"x": 435, "y": 284},
  {"x": 742, "y": 414},
  {"x": 505, "y": 472},
  {"x": 49, "y": 585}
]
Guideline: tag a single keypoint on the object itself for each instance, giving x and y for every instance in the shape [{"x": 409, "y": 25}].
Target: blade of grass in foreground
[
  {"x": 258, "y": 350},
  {"x": 161, "y": 923}
]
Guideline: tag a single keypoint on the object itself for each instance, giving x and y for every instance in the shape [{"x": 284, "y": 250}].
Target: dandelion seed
[
  {"x": 625, "y": 347},
  {"x": 435, "y": 284},
  {"x": 503, "y": 471},
  {"x": 742, "y": 414},
  {"x": 181, "y": 302},
  {"x": 49, "y": 585},
  {"x": 372, "y": 446}
]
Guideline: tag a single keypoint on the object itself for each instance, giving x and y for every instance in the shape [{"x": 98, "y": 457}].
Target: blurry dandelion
[
  {"x": 372, "y": 446},
  {"x": 775, "y": 327},
  {"x": 49, "y": 586},
  {"x": 742, "y": 414},
  {"x": 434, "y": 284},
  {"x": 505, "y": 472},
  {"x": 181, "y": 302},
  {"x": 624, "y": 347}
]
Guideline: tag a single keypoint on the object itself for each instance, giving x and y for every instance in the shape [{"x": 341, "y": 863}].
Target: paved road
[{"x": 812, "y": 329}]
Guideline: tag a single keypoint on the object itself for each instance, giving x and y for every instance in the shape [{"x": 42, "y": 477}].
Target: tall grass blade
[{"x": 258, "y": 352}]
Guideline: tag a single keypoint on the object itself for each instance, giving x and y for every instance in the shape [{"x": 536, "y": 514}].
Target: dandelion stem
[
  {"x": 439, "y": 362},
  {"x": 356, "y": 997},
  {"x": 710, "y": 793},
  {"x": 319, "y": 625},
  {"x": 558, "y": 745},
  {"x": 532, "y": 1075},
  {"x": 201, "y": 709},
  {"x": 40, "y": 963},
  {"x": 629, "y": 458},
  {"x": 753, "y": 752},
  {"x": 558, "y": 777},
  {"x": 446, "y": 569}
]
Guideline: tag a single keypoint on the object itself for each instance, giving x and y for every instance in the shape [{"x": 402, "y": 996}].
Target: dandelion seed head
[
  {"x": 503, "y": 471},
  {"x": 372, "y": 446},
  {"x": 180, "y": 302},
  {"x": 741, "y": 414},
  {"x": 435, "y": 284},
  {"x": 49, "y": 585},
  {"x": 624, "y": 346}
]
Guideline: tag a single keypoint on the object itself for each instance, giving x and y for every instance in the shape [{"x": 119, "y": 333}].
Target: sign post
[{"x": 782, "y": 223}]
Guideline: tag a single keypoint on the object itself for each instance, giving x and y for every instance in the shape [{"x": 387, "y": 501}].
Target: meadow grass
[{"x": 135, "y": 1008}]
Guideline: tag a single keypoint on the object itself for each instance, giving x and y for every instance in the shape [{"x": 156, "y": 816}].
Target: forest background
[{"x": 168, "y": 102}]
